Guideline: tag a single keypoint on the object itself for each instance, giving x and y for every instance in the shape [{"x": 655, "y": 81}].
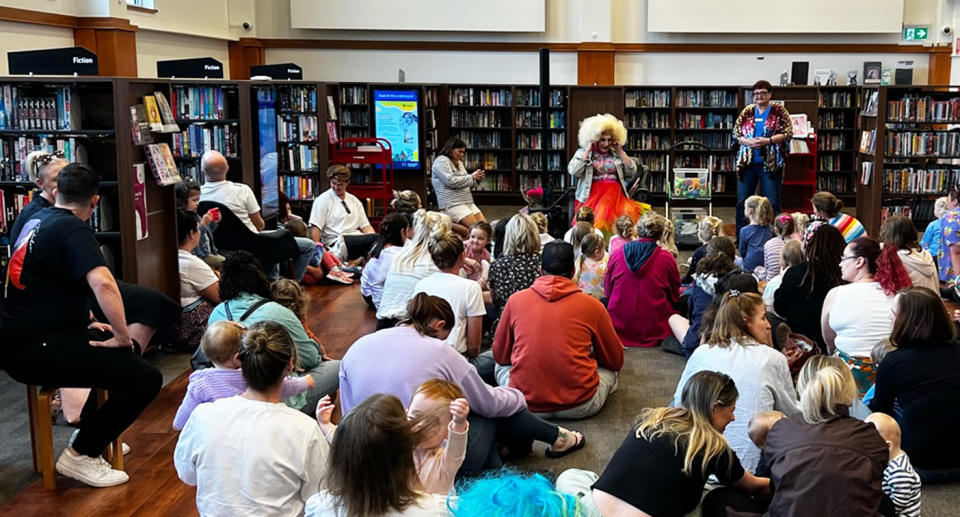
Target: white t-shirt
[
  {"x": 398, "y": 288},
  {"x": 860, "y": 315},
  {"x": 429, "y": 505},
  {"x": 195, "y": 276},
  {"x": 463, "y": 295},
  {"x": 248, "y": 457},
  {"x": 568, "y": 237},
  {"x": 238, "y": 197},
  {"x": 329, "y": 215}
]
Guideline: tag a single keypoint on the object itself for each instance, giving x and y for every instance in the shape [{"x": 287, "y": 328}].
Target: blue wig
[{"x": 508, "y": 493}]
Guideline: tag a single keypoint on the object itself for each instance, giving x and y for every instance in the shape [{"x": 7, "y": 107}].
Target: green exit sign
[{"x": 915, "y": 33}]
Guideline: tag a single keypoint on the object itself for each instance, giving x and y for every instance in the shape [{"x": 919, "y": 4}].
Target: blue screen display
[{"x": 397, "y": 120}]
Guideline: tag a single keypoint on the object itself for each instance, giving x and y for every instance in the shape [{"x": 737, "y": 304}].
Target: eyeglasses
[
  {"x": 757, "y": 93},
  {"x": 345, "y": 207},
  {"x": 848, "y": 257}
]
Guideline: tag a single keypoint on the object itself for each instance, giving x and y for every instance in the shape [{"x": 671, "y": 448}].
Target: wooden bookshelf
[
  {"x": 540, "y": 134},
  {"x": 706, "y": 114},
  {"x": 648, "y": 116},
  {"x": 482, "y": 115},
  {"x": 836, "y": 126}
]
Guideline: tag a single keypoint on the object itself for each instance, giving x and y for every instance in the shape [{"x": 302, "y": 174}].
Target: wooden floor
[{"x": 337, "y": 314}]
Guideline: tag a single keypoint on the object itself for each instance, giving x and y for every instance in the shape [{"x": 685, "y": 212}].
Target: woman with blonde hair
[
  {"x": 737, "y": 347},
  {"x": 520, "y": 264},
  {"x": 600, "y": 169},
  {"x": 410, "y": 265},
  {"x": 663, "y": 463}
]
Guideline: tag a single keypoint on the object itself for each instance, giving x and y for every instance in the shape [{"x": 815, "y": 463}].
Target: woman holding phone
[{"x": 452, "y": 183}]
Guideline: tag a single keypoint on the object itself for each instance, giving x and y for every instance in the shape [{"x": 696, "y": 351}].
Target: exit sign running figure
[{"x": 915, "y": 33}]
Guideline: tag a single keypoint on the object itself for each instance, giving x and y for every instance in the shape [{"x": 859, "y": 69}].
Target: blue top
[
  {"x": 759, "y": 120},
  {"x": 931, "y": 238},
  {"x": 752, "y": 239},
  {"x": 697, "y": 303}
]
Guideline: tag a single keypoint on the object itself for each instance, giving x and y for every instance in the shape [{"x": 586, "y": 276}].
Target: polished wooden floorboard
[{"x": 337, "y": 314}]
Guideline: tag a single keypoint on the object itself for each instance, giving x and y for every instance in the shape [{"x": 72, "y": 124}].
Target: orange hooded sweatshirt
[{"x": 554, "y": 337}]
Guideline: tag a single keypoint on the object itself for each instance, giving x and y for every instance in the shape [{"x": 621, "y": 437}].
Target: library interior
[{"x": 513, "y": 257}]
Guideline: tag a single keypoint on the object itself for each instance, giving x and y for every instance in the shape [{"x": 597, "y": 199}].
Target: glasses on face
[
  {"x": 760, "y": 93},
  {"x": 842, "y": 259}
]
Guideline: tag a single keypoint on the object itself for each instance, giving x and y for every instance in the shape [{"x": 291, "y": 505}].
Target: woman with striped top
[
  {"x": 452, "y": 183},
  {"x": 826, "y": 206}
]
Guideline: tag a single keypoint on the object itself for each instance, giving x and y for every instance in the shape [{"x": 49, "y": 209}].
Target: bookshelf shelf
[
  {"x": 77, "y": 133},
  {"x": 207, "y": 121}
]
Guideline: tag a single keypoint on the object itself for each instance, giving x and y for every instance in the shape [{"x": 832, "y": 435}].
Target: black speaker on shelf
[{"x": 799, "y": 73}]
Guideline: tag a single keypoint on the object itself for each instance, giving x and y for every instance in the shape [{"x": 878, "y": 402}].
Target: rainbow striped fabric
[{"x": 849, "y": 226}]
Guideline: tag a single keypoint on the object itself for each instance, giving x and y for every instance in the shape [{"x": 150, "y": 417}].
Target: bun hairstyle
[
  {"x": 784, "y": 226},
  {"x": 426, "y": 225},
  {"x": 826, "y": 204},
  {"x": 423, "y": 309},
  {"x": 827, "y": 389},
  {"x": 651, "y": 226},
  {"x": 709, "y": 228},
  {"x": 405, "y": 201},
  {"x": 446, "y": 250},
  {"x": 585, "y": 214},
  {"x": 883, "y": 263},
  {"x": 625, "y": 226},
  {"x": 265, "y": 352},
  {"x": 391, "y": 232},
  {"x": 38, "y": 162}
]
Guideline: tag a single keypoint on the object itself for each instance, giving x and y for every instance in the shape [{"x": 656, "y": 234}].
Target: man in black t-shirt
[{"x": 47, "y": 333}]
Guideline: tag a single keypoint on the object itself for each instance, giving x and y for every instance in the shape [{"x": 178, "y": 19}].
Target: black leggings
[
  {"x": 359, "y": 245},
  {"x": 67, "y": 360},
  {"x": 146, "y": 306},
  {"x": 718, "y": 501},
  {"x": 517, "y": 432}
]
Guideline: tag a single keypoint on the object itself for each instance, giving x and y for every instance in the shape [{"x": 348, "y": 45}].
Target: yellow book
[{"x": 153, "y": 113}]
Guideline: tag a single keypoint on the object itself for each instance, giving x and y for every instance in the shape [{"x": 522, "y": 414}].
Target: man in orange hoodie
[{"x": 556, "y": 344}]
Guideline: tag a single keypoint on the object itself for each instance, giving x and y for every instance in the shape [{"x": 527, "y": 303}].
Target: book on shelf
[
  {"x": 297, "y": 98},
  {"x": 302, "y": 128},
  {"x": 56, "y": 109},
  {"x": 331, "y": 108},
  {"x": 870, "y": 101},
  {"x": 198, "y": 102},
  {"x": 11, "y": 209},
  {"x": 916, "y": 180},
  {"x": 799, "y": 146},
  {"x": 14, "y": 152},
  {"x": 867, "y": 140},
  {"x": 925, "y": 143},
  {"x": 196, "y": 139},
  {"x": 866, "y": 172},
  {"x": 166, "y": 114},
  {"x": 298, "y": 158},
  {"x": 648, "y": 98},
  {"x": 299, "y": 188},
  {"x": 153, "y": 113},
  {"x": 140, "y": 200},
  {"x": 801, "y": 125},
  {"x": 103, "y": 218},
  {"x": 162, "y": 164},
  {"x": 914, "y": 108},
  {"x": 332, "y": 132},
  {"x": 139, "y": 127}
]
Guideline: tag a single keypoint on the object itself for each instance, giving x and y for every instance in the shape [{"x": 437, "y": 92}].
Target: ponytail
[
  {"x": 424, "y": 309},
  {"x": 891, "y": 274},
  {"x": 784, "y": 225},
  {"x": 391, "y": 232},
  {"x": 588, "y": 246}
]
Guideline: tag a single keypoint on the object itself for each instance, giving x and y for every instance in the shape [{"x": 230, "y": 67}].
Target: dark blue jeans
[{"x": 770, "y": 184}]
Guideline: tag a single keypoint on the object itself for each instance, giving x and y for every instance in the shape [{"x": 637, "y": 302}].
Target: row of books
[
  {"x": 353, "y": 95},
  {"x": 910, "y": 180},
  {"x": 708, "y": 120},
  {"x": 297, "y": 98},
  {"x": 480, "y": 97},
  {"x": 199, "y": 102},
  {"x": 10, "y": 206},
  {"x": 835, "y": 120},
  {"x": 920, "y": 210},
  {"x": 835, "y": 141},
  {"x": 476, "y": 160},
  {"x": 196, "y": 139},
  {"x": 648, "y": 120},
  {"x": 104, "y": 217},
  {"x": 300, "y": 188},
  {"x": 715, "y": 141},
  {"x": 302, "y": 128},
  {"x": 14, "y": 152},
  {"x": 658, "y": 182},
  {"x": 836, "y": 99},
  {"x": 648, "y": 98},
  {"x": 431, "y": 97},
  {"x": 835, "y": 184},
  {"x": 648, "y": 141},
  {"x": 480, "y": 139},
  {"x": 530, "y": 161},
  {"x": 355, "y": 117},
  {"x": 654, "y": 162},
  {"x": 298, "y": 158},
  {"x": 534, "y": 119},
  {"x": 914, "y": 108},
  {"x": 540, "y": 141},
  {"x": 494, "y": 183},
  {"x": 721, "y": 183},
  {"x": 487, "y": 119},
  {"x": 719, "y": 162},
  {"x": 356, "y": 132},
  {"x": 868, "y": 140},
  {"x": 54, "y": 110},
  {"x": 835, "y": 162},
  {"x": 927, "y": 143},
  {"x": 706, "y": 99},
  {"x": 530, "y": 97}
]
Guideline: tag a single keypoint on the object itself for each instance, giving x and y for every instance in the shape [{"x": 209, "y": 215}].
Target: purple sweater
[
  {"x": 398, "y": 359},
  {"x": 212, "y": 384}
]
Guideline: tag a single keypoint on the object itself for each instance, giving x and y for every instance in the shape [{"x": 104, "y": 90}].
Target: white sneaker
[
  {"x": 124, "y": 448},
  {"x": 95, "y": 472}
]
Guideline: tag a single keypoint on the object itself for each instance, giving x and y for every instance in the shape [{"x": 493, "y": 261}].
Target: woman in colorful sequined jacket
[{"x": 763, "y": 133}]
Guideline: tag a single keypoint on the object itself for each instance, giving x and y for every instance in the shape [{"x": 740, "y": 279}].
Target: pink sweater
[{"x": 438, "y": 467}]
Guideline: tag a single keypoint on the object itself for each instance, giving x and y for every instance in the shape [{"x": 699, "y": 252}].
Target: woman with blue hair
[{"x": 513, "y": 494}]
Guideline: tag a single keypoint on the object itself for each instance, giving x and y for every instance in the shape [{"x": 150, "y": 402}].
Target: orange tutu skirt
[{"x": 609, "y": 202}]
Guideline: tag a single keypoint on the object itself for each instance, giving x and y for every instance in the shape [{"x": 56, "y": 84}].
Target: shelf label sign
[
  {"x": 198, "y": 68},
  {"x": 279, "y": 71},
  {"x": 915, "y": 33},
  {"x": 56, "y": 61}
]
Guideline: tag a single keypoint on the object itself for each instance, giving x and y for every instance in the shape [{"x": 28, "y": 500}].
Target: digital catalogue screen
[
  {"x": 397, "y": 120},
  {"x": 267, "y": 125}
]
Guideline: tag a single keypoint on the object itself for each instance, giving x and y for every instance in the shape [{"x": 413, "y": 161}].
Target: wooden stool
[{"x": 41, "y": 434}]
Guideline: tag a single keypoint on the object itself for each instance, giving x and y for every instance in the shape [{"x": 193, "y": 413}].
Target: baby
[
  {"x": 439, "y": 412},
  {"x": 220, "y": 343},
  {"x": 900, "y": 482}
]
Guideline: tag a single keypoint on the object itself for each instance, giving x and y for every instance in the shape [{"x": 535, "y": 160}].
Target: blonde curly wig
[{"x": 592, "y": 127}]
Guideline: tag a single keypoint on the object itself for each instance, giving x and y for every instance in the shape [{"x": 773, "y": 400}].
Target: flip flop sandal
[{"x": 550, "y": 453}]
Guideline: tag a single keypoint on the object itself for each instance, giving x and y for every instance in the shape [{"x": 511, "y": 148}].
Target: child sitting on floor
[
  {"x": 476, "y": 251},
  {"x": 188, "y": 198},
  {"x": 323, "y": 264},
  {"x": 289, "y": 294},
  {"x": 440, "y": 411},
  {"x": 625, "y": 233},
  {"x": 708, "y": 228},
  {"x": 754, "y": 235},
  {"x": 221, "y": 343},
  {"x": 591, "y": 266},
  {"x": 900, "y": 482}
]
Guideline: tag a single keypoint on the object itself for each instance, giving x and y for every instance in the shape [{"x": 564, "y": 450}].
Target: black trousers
[
  {"x": 67, "y": 360},
  {"x": 147, "y": 306},
  {"x": 719, "y": 501},
  {"x": 516, "y": 432},
  {"x": 359, "y": 245}
]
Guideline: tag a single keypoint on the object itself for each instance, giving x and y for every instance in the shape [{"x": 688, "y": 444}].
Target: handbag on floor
[{"x": 798, "y": 349}]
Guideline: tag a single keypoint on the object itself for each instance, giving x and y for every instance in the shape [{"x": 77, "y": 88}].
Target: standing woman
[
  {"x": 452, "y": 183},
  {"x": 600, "y": 168},
  {"x": 763, "y": 132}
]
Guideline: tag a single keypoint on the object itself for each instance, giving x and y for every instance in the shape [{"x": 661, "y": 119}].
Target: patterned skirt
[
  {"x": 609, "y": 202},
  {"x": 863, "y": 370},
  {"x": 193, "y": 323}
]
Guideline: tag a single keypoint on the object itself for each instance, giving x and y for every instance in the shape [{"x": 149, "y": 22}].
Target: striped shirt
[
  {"x": 772, "y": 249},
  {"x": 902, "y": 484},
  {"x": 451, "y": 183},
  {"x": 849, "y": 226}
]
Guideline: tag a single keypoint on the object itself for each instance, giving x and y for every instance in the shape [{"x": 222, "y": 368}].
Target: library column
[
  {"x": 113, "y": 40},
  {"x": 595, "y": 54}
]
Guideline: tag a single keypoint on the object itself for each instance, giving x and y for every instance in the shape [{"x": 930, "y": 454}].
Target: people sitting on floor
[
  {"x": 542, "y": 227},
  {"x": 754, "y": 236},
  {"x": 513, "y": 493},
  {"x": 791, "y": 255},
  {"x": 799, "y": 300},
  {"x": 586, "y": 215},
  {"x": 556, "y": 344},
  {"x": 899, "y": 231},
  {"x": 822, "y": 462},
  {"x": 416, "y": 353},
  {"x": 667, "y": 241},
  {"x": 246, "y": 299},
  {"x": 250, "y": 454},
  {"x": 55, "y": 268},
  {"x": 856, "y": 316},
  {"x": 519, "y": 265},
  {"x": 737, "y": 347},
  {"x": 826, "y": 207},
  {"x": 339, "y": 220},
  {"x": 664, "y": 462},
  {"x": 591, "y": 266},
  {"x": 323, "y": 264},
  {"x": 411, "y": 264},
  {"x": 371, "y": 468},
  {"x": 395, "y": 230},
  {"x": 920, "y": 379},
  {"x": 708, "y": 228},
  {"x": 188, "y": 198},
  {"x": 642, "y": 278},
  {"x": 222, "y": 343},
  {"x": 291, "y": 295},
  {"x": 477, "y": 253},
  {"x": 900, "y": 482},
  {"x": 464, "y": 296},
  {"x": 199, "y": 285},
  {"x": 625, "y": 233},
  {"x": 783, "y": 230}
]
